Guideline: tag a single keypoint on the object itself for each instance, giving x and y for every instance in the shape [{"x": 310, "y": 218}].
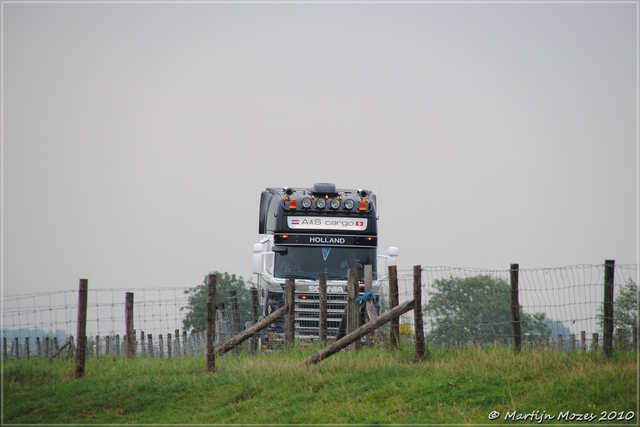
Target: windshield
[{"x": 303, "y": 262}]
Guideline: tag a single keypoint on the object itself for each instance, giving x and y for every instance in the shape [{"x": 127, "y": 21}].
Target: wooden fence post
[
  {"x": 150, "y": 342},
  {"x": 211, "y": 322},
  {"x": 81, "y": 350},
  {"x": 323, "y": 325},
  {"x": 27, "y": 353},
  {"x": 515, "y": 309},
  {"x": 185, "y": 343},
  {"x": 169, "y": 347},
  {"x": 290, "y": 321},
  {"x": 583, "y": 342},
  {"x": 160, "y": 347},
  {"x": 235, "y": 315},
  {"x": 394, "y": 300},
  {"x": 572, "y": 342},
  {"x": 254, "y": 317},
  {"x": 131, "y": 349},
  {"x": 38, "y": 347},
  {"x": 560, "y": 343},
  {"x": 177, "y": 343},
  {"x": 594, "y": 343},
  {"x": 353, "y": 314},
  {"x": 117, "y": 345},
  {"x": 143, "y": 346},
  {"x": 609, "y": 266},
  {"x": 107, "y": 345},
  {"x": 417, "y": 311}
]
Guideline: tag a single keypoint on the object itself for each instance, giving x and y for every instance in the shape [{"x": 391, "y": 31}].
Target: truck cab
[{"x": 308, "y": 231}]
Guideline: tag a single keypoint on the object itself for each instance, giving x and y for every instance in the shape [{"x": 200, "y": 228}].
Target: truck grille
[{"x": 307, "y": 314}]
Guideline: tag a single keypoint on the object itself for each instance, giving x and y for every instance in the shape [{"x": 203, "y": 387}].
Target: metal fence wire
[{"x": 560, "y": 308}]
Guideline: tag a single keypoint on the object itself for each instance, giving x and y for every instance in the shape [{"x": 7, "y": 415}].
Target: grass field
[{"x": 372, "y": 386}]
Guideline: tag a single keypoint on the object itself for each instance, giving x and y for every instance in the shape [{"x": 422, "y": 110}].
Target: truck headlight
[
  {"x": 321, "y": 203},
  {"x": 335, "y": 203}
]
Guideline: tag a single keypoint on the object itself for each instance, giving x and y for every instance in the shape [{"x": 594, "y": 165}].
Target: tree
[
  {"x": 625, "y": 308},
  {"x": 196, "y": 317},
  {"x": 476, "y": 309}
]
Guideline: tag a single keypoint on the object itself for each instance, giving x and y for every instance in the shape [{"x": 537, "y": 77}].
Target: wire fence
[
  {"x": 470, "y": 305},
  {"x": 560, "y": 308}
]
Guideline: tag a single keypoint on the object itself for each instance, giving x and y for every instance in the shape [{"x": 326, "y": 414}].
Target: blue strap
[{"x": 364, "y": 298}]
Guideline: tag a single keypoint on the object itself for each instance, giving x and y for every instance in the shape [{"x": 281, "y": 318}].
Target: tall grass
[{"x": 370, "y": 386}]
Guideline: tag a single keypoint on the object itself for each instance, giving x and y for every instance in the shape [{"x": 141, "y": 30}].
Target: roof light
[
  {"x": 321, "y": 203},
  {"x": 306, "y": 203},
  {"x": 349, "y": 204},
  {"x": 335, "y": 203},
  {"x": 293, "y": 204},
  {"x": 363, "y": 205}
]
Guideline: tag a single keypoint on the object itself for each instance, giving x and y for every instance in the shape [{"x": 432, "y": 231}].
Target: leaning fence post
[
  {"x": 515, "y": 310},
  {"x": 128, "y": 314},
  {"x": 81, "y": 350},
  {"x": 394, "y": 301},
  {"x": 322, "y": 333},
  {"x": 417, "y": 311},
  {"x": 211, "y": 322},
  {"x": 607, "y": 345},
  {"x": 290, "y": 295}
]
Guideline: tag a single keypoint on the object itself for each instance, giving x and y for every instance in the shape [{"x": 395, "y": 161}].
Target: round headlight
[
  {"x": 335, "y": 203},
  {"x": 349, "y": 203},
  {"x": 306, "y": 202},
  {"x": 321, "y": 203}
]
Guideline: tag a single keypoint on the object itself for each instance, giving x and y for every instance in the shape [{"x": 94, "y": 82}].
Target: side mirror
[
  {"x": 258, "y": 264},
  {"x": 258, "y": 260}
]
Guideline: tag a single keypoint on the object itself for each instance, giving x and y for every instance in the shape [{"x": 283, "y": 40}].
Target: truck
[{"x": 307, "y": 231}]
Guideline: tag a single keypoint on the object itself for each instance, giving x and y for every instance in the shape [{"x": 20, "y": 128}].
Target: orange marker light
[
  {"x": 293, "y": 204},
  {"x": 363, "y": 205}
]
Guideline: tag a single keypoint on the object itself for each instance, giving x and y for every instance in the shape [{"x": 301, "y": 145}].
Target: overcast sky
[{"x": 136, "y": 138}]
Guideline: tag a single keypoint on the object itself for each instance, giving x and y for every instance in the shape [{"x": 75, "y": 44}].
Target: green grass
[{"x": 372, "y": 386}]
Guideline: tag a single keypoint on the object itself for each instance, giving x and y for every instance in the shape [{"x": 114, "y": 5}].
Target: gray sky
[{"x": 137, "y": 138}]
